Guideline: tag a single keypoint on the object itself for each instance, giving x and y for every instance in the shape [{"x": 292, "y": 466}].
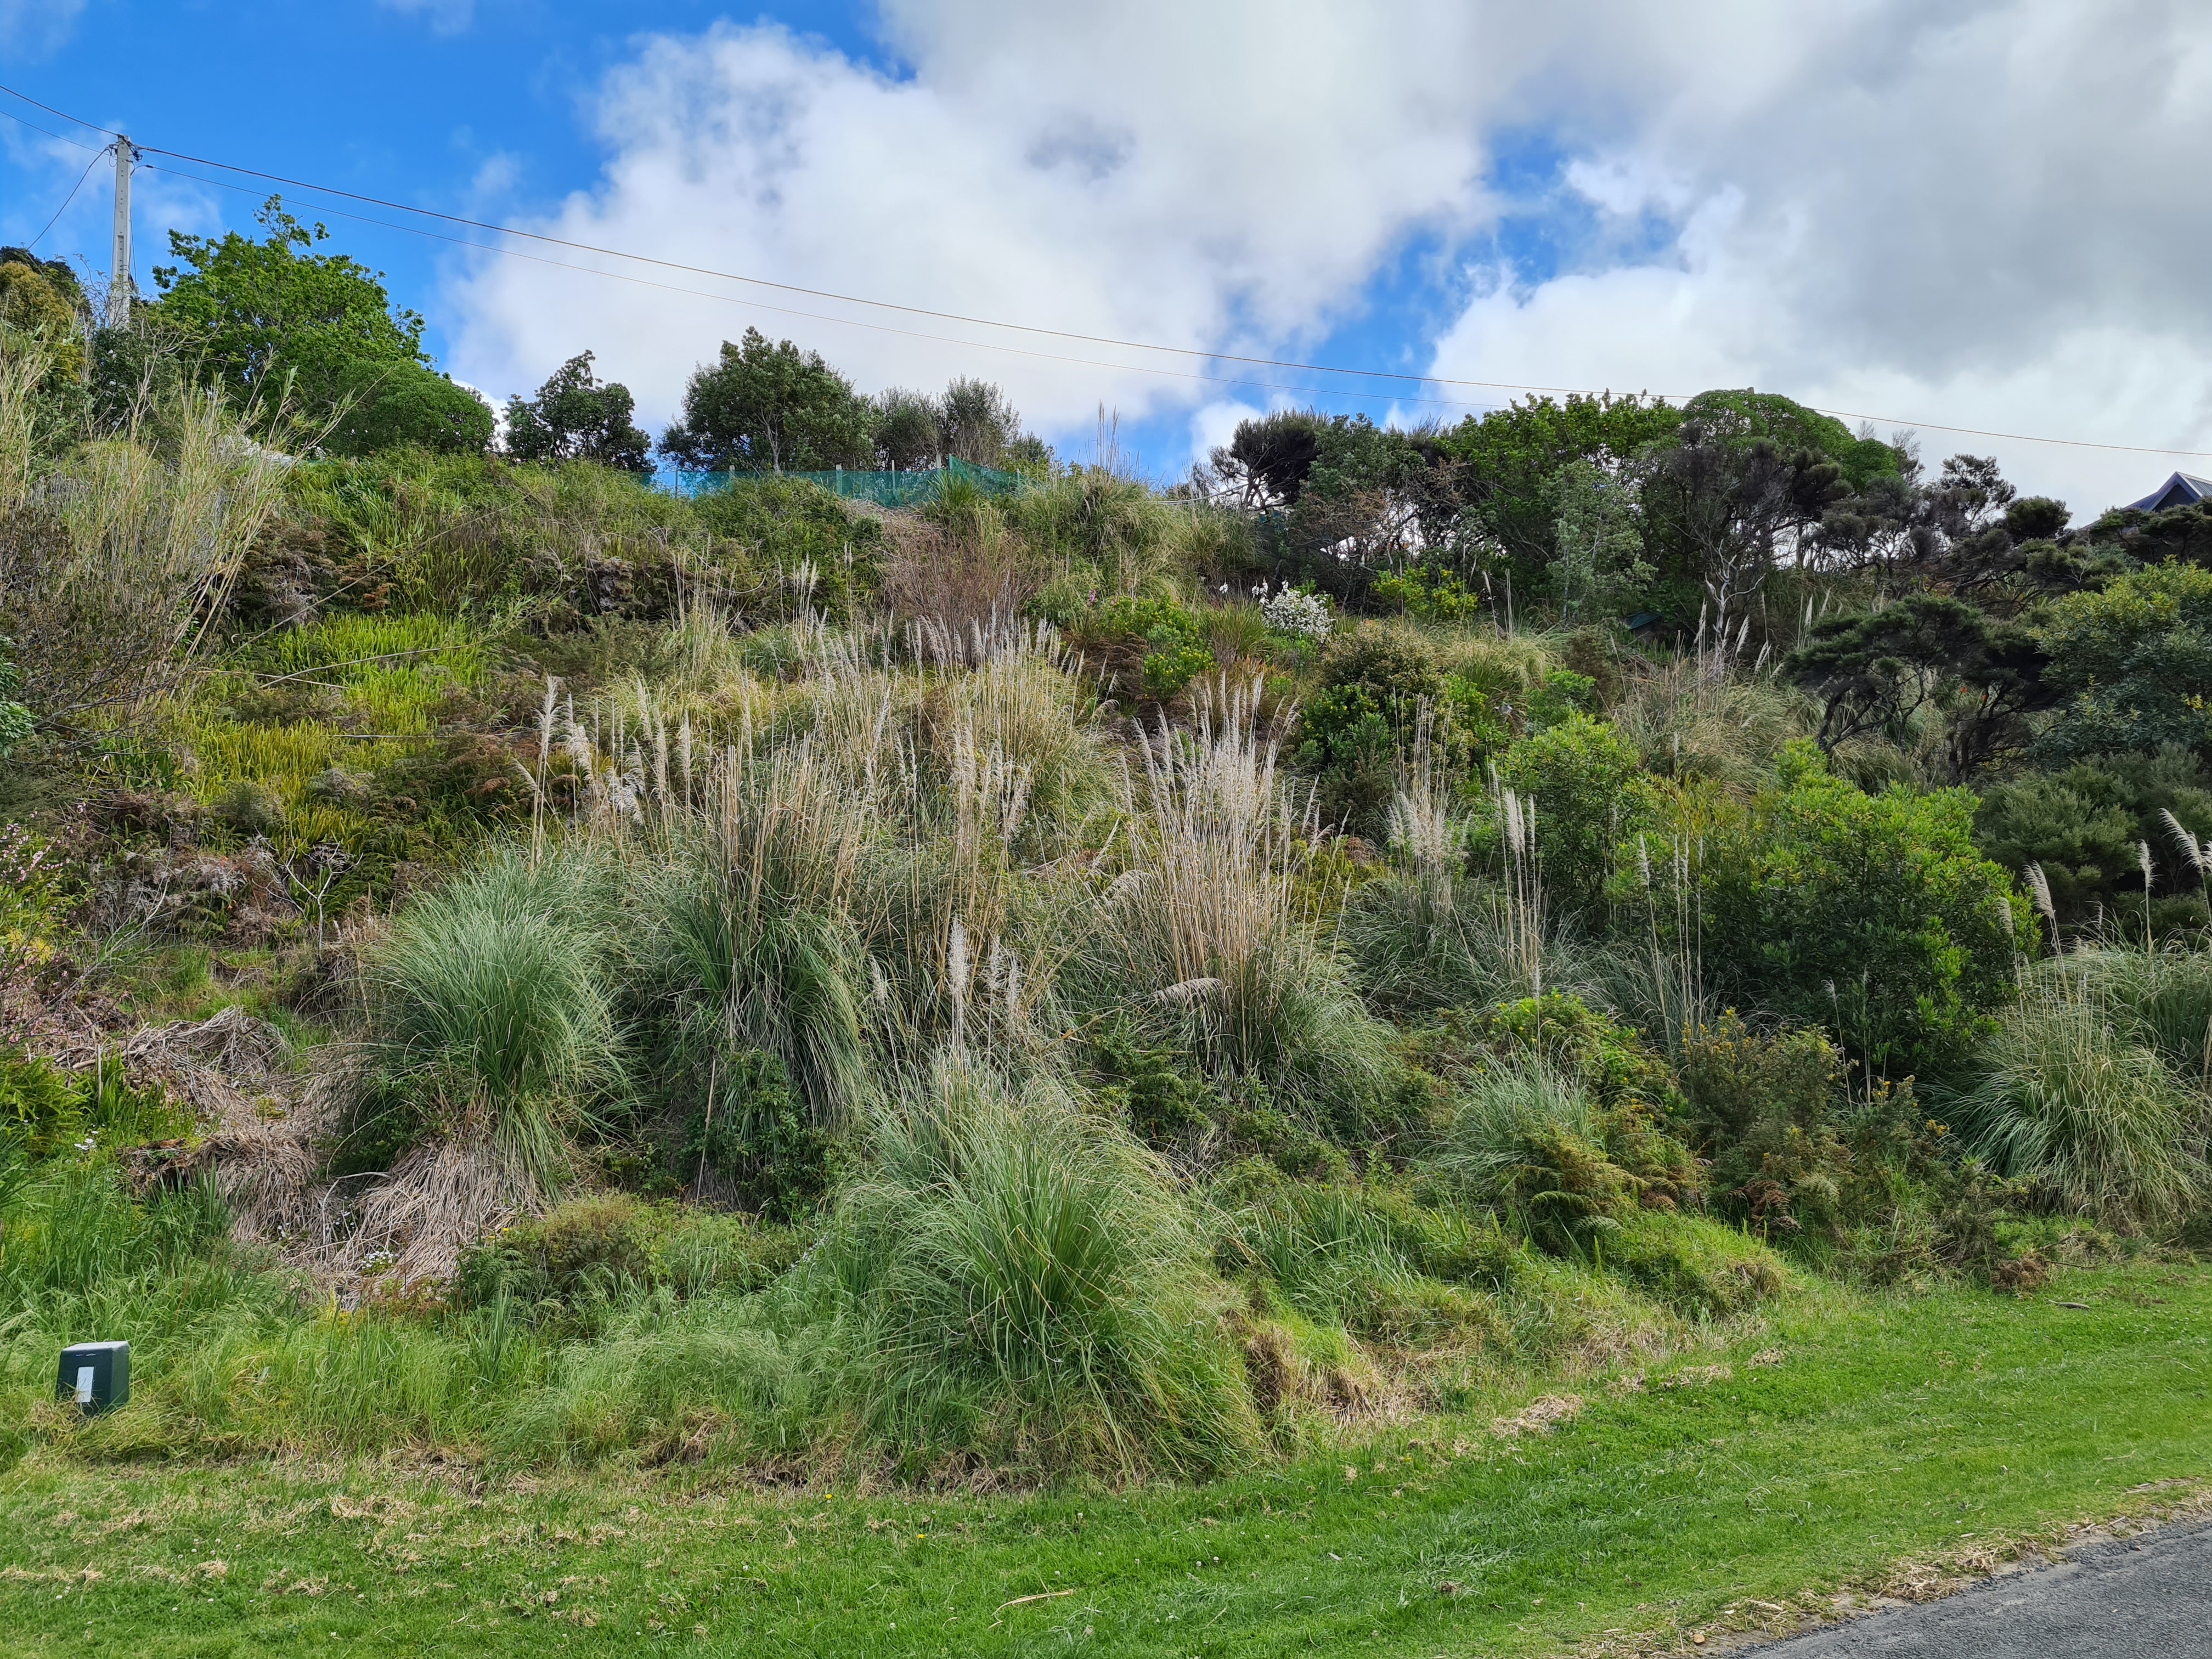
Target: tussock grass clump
[
  {"x": 1528, "y": 1138},
  {"x": 1097, "y": 525},
  {"x": 1695, "y": 1264},
  {"x": 491, "y": 1020},
  {"x": 747, "y": 940},
  {"x": 1687, "y": 721},
  {"x": 2163, "y": 999},
  {"x": 1024, "y": 1279},
  {"x": 1372, "y": 1261},
  {"x": 2069, "y": 1104}
]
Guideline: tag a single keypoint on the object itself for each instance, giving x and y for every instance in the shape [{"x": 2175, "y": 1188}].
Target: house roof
[{"x": 2179, "y": 490}]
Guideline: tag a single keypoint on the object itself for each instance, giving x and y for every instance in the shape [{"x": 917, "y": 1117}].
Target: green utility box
[{"x": 95, "y": 1375}]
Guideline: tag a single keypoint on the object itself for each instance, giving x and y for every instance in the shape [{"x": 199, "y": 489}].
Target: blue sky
[{"x": 1946, "y": 212}]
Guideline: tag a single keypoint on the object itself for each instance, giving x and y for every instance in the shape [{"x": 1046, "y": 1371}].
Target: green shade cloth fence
[{"x": 884, "y": 489}]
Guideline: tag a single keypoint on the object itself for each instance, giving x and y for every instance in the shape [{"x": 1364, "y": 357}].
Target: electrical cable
[
  {"x": 57, "y": 136},
  {"x": 846, "y": 322},
  {"x": 985, "y": 322},
  {"x": 67, "y": 199},
  {"x": 73, "y": 119}
]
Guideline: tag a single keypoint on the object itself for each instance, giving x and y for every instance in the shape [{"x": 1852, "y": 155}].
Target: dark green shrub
[
  {"x": 1765, "y": 1107},
  {"x": 1587, "y": 785},
  {"x": 15, "y": 718},
  {"x": 1259, "y": 1131},
  {"x": 1153, "y": 645},
  {"x": 1376, "y": 686},
  {"x": 756, "y": 1132},
  {"x": 1158, "y": 1099},
  {"x": 2084, "y": 824},
  {"x": 1610, "y": 1059},
  {"x": 1874, "y": 914},
  {"x": 1635, "y": 1103},
  {"x": 395, "y": 405}
]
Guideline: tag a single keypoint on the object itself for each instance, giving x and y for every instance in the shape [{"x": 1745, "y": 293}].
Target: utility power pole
[{"x": 119, "y": 285}]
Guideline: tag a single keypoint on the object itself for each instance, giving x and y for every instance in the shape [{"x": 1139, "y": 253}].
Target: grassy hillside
[{"x": 1092, "y": 1001}]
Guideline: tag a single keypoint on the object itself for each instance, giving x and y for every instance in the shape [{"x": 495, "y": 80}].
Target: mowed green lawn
[{"x": 1902, "y": 1429}]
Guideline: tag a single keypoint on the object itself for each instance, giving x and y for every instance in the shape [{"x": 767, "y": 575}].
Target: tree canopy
[
  {"x": 770, "y": 408},
  {"x": 577, "y": 416},
  {"x": 278, "y": 323}
]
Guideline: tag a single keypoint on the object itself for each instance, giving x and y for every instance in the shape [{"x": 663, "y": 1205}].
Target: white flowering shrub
[{"x": 1305, "y": 615}]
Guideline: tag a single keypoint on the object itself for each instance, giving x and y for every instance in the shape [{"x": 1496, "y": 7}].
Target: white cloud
[
  {"x": 446, "y": 16},
  {"x": 35, "y": 28},
  {"x": 1212, "y": 425},
  {"x": 1970, "y": 214},
  {"x": 1977, "y": 211},
  {"x": 1193, "y": 175}
]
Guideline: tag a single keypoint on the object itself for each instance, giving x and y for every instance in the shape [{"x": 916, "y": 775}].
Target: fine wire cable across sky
[
  {"x": 31, "y": 246},
  {"x": 848, "y": 322},
  {"x": 980, "y": 322}
]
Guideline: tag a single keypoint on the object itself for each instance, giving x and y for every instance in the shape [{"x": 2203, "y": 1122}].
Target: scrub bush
[{"x": 1873, "y": 914}]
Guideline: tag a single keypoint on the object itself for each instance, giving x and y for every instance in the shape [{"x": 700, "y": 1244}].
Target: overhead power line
[
  {"x": 854, "y": 322},
  {"x": 982, "y": 322},
  {"x": 58, "y": 136},
  {"x": 67, "y": 199}
]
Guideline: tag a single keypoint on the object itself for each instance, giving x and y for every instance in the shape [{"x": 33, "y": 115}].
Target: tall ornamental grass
[
  {"x": 745, "y": 937},
  {"x": 1204, "y": 936},
  {"x": 2067, "y": 1102},
  {"x": 1021, "y": 1275},
  {"x": 490, "y": 1018}
]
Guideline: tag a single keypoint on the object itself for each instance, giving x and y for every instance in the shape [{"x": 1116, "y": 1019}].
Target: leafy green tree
[
  {"x": 2179, "y": 532},
  {"x": 41, "y": 298},
  {"x": 1874, "y": 914},
  {"x": 906, "y": 431},
  {"x": 978, "y": 422},
  {"x": 1724, "y": 497},
  {"x": 1266, "y": 462},
  {"x": 1507, "y": 459},
  {"x": 770, "y": 408},
  {"x": 275, "y": 322},
  {"x": 1755, "y": 417},
  {"x": 577, "y": 416},
  {"x": 1598, "y": 561},
  {"x": 1338, "y": 499},
  {"x": 385, "y": 405},
  {"x": 2134, "y": 663}
]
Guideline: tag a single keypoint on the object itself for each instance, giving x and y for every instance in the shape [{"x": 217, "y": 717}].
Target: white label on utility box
[{"x": 84, "y": 1385}]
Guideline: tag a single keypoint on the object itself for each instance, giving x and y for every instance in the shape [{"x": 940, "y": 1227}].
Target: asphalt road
[{"x": 2120, "y": 1599}]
